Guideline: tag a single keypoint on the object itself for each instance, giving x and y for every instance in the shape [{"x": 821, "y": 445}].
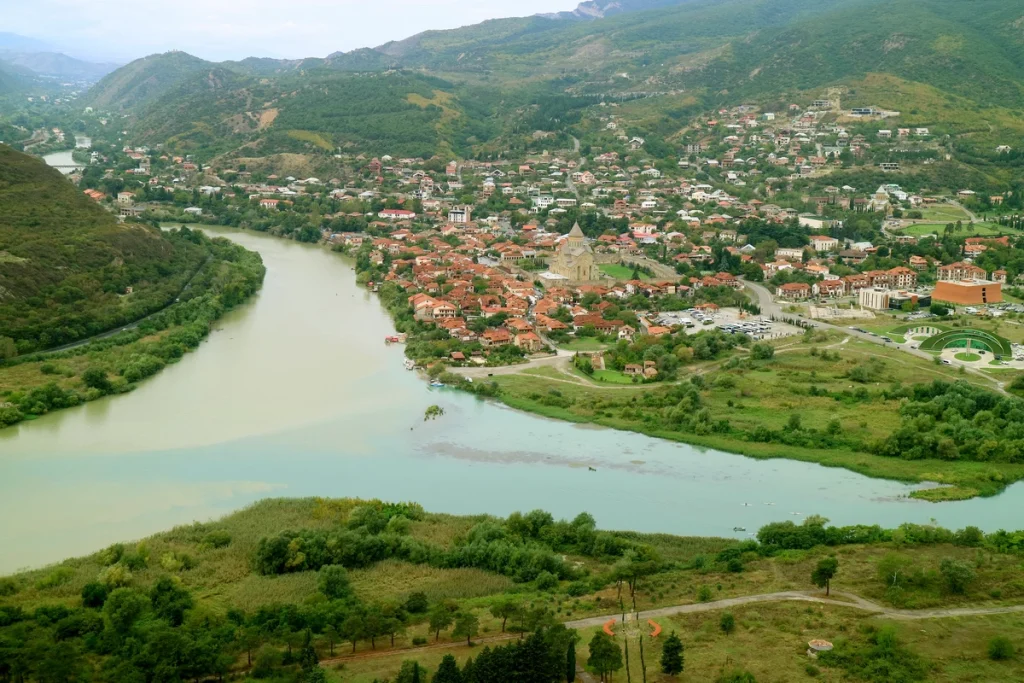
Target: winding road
[
  {"x": 842, "y": 599},
  {"x": 852, "y": 601}
]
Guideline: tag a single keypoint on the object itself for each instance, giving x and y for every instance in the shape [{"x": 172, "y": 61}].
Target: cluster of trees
[
  {"x": 779, "y": 536},
  {"x": 524, "y": 547},
  {"x": 956, "y": 421},
  {"x": 546, "y": 656}
]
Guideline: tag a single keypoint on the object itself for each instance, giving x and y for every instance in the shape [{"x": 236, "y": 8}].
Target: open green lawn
[
  {"x": 612, "y": 377},
  {"x": 619, "y": 271},
  {"x": 945, "y": 213},
  {"x": 584, "y": 344},
  {"x": 969, "y": 230},
  {"x": 967, "y": 357}
]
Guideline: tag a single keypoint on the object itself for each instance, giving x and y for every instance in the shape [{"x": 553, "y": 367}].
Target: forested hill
[
  {"x": 66, "y": 264},
  {"x": 463, "y": 90},
  {"x": 145, "y": 80}
]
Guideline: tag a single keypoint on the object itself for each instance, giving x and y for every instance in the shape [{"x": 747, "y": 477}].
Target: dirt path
[
  {"x": 839, "y": 599},
  {"x": 848, "y": 600}
]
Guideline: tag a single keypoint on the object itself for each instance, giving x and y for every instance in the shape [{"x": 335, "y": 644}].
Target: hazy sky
[{"x": 234, "y": 29}]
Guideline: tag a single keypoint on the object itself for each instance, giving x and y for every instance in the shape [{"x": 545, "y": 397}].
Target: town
[{"x": 746, "y": 231}]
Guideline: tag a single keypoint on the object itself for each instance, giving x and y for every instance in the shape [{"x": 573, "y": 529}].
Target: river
[
  {"x": 296, "y": 394},
  {"x": 65, "y": 161}
]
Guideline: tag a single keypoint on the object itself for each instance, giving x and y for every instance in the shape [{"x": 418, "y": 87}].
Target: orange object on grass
[
  {"x": 657, "y": 628},
  {"x": 608, "y": 627}
]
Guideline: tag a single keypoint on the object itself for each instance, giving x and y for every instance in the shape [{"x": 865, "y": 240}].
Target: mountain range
[
  {"x": 30, "y": 59},
  {"x": 471, "y": 85}
]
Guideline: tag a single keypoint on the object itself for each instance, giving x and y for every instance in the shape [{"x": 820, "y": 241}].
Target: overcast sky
[{"x": 233, "y": 29}]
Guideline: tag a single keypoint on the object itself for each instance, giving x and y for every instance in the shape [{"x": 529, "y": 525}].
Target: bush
[
  {"x": 333, "y": 582},
  {"x": 94, "y": 594},
  {"x": 546, "y": 581},
  {"x": 419, "y": 640},
  {"x": 727, "y": 623},
  {"x": 958, "y": 575},
  {"x": 704, "y": 594},
  {"x": 217, "y": 539},
  {"x": 1000, "y": 649},
  {"x": 417, "y": 603}
]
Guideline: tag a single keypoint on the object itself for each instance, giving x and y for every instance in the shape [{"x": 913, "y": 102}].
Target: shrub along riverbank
[{"x": 34, "y": 385}]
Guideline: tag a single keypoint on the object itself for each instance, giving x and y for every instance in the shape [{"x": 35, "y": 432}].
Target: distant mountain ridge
[
  {"x": 709, "y": 52},
  {"x": 600, "y": 9},
  {"x": 56, "y": 64}
]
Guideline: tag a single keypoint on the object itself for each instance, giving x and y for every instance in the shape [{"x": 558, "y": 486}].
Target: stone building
[{"x": 574, "y": 258}]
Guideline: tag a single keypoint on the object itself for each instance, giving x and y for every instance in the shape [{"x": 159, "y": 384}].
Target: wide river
[{"x": 296, "y": 394}]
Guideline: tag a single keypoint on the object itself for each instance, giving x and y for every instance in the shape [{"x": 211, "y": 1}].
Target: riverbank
[
  {"x": 406, "y": 584},
  {"x": 37, "y": 384},
  {"x": 824, "y": 398}
]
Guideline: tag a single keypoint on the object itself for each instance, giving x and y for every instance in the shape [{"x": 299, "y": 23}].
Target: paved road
[
  {"x": 129, "y": 326},
  {"x": 851, "y": 601},
  {"x": 558, "y": 360}
]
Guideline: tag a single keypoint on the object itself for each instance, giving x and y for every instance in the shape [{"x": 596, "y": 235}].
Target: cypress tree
[
  {"x": 570, "y": 662},
  {"x": 672, "y": 661}
]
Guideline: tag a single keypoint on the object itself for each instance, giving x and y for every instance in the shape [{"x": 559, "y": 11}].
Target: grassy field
[
  {"x": 619, "y": 271},
  {"x": 944, "y": 213},
  {"x": 969, "y": 230},
  {"x": 769, "y": 639},
  {"x": 766, "y": 397},
  {"x": 584, "y": 344},
  {"x": 612, "y": 377}
]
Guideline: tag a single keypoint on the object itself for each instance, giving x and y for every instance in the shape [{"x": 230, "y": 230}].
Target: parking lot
[{"x": 728, "y": 320}]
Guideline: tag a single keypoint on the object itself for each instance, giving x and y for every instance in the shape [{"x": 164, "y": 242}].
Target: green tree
[
  {"x": 448, "y": 671},
  {"x": 504, "y": 610},
  {"x": 8, "y": 349},
  {"x": 466, "y": 624},
  {"x": 95, "y": 378},
  {"x": 727, "y": 623},
  {"x": 411, "y": 672},
  {"x": 332, "y": 581},
  {"x": 440, "y": 619},
  {"x": 672, "y": 659},
  {"x": 308, "y": 659},
  {"x": 762, "y": 351},
  {"x": 605, "y": 656},
  {"x": 570, "y": 661},
  {"x": 958, "y": 575},
  {"x": 123, "y": 608},
  {"x": 824, "y": 573}
]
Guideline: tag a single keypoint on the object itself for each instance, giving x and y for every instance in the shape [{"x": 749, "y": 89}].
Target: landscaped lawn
[
  {"x": 619, "y": 271},
  {"x": 969, "y": 230},
  {"x": 944, "y": 212},
  {"x": 612, "y": 376},
  {"x": 584, "y": 344},
  {"x": 967, "y": 357}
]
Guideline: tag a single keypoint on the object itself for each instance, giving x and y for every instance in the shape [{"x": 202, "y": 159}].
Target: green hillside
[
  {"x": 66, "y": 263},
  {"x": 690, "y": 55},
  {"x": 144, "y": 81},
  {"x": 316, "y": 111}
]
